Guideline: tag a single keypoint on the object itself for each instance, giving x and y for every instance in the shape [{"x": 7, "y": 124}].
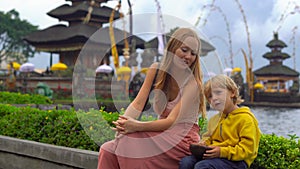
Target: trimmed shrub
[
  {"x": 97, "y": 125},
  {"x": 277, "y": 152},
  {"x": 18, "y": 98},
  {"x": 88, "y": 130},
  {"x": 58, "y": 127}
]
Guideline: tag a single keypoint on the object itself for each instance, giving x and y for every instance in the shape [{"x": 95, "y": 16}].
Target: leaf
[{"x": 12, "y": 32}]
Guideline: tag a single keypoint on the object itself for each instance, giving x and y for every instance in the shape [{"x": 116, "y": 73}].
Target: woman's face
[{"x": 186, "y": 54}]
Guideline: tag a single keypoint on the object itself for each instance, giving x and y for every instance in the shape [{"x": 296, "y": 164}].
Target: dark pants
[{"x": 190, "y": 162}]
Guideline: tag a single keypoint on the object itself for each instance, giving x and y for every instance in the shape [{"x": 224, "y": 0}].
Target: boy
[{"x": 233, "y": 133}]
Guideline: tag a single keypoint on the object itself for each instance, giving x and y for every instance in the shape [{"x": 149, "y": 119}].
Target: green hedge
[
  {"x": 58, "y": 127},
  {"x": 88, "y": 130},
  {"x": 84, "y": 129},
  {"x": 278, "y": 153},
  {"x": 18, "y": 98}
]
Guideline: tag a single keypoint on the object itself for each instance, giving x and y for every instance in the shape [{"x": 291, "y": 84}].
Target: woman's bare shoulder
[
  {"x": 154, "y": 65},
  {"x": 151, "y": 73}
]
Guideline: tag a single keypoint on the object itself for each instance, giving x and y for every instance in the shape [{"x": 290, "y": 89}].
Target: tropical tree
[{"x": 12, "y": 30}]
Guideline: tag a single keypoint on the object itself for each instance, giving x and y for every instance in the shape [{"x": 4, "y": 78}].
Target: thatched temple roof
[
  {"x": 60, "y": 37},
  {"x": 276, "y": 55},
  {"x": 276, "y": 70},
  {"x": 276, "y": 67},
  {"x": 276, "y": 42},
  {"x": 205, "y": 46},
  {"x": 68, "y": 12}
]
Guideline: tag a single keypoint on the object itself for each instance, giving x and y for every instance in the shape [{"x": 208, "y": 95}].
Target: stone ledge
[{"x": 23, "y": 154}]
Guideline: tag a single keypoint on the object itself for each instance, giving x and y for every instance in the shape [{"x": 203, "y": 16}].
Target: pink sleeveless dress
[{"x": 150, "y": 150}]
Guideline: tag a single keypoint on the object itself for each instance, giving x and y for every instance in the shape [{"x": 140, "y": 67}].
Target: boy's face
[{"x": 220, "y": 99}]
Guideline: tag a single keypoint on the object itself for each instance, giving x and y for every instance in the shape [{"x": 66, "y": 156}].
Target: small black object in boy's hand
[{"x": 198, "y": 150}]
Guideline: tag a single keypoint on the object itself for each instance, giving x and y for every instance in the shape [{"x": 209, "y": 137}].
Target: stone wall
[
  {"x": 24, "y": 154},
  {"x": 65, "y": 85}
]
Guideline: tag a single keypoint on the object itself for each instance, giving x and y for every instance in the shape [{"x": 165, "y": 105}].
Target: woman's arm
[
  {"x": 187, "y": 106},
  {"x": 137, "y": 105}
]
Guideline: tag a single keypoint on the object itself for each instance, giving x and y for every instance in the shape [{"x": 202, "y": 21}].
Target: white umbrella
[
  {"x": 104, "y": 69},
  {"x": 209, "y": 74},
  {"x": 27, "y": 67},
  {"x": 227, "y": 70}
]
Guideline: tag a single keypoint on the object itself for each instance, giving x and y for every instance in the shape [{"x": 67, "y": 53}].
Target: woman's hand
[
  {"x": 213, "y": 153},
  {"x": 125, "y": 125},
  {"x": 118, "y": 124},
  {"x": 116, "y": 129}
]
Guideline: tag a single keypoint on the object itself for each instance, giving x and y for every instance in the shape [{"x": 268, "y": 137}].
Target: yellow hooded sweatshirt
[{"x": 237, "y": 134}]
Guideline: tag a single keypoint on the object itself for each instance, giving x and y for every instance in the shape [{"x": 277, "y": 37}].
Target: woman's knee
[{"x": 108, "y": 146}]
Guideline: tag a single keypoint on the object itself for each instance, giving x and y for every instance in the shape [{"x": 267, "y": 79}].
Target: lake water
[{"x": 281, "y": 121}]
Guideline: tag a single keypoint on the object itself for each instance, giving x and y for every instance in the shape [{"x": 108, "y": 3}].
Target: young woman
[
  {"x": 233, "y": 134},
  {"x": 178, "y": 99}
]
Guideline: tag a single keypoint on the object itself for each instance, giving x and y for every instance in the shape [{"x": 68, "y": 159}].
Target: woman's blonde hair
[
  {"x": 175, "y": 42},
  {"x": 224, "y": 82}
]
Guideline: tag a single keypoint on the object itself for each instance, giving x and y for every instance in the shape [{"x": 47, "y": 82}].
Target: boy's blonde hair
[{"x": 224, "y": 82}]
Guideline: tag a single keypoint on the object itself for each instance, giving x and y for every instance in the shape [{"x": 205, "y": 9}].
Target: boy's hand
[
  {"x": 213, "y": 153},
  {"x": 202, "y": 143}
]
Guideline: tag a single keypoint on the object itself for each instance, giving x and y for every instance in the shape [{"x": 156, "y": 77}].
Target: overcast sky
[{"x": 223, "y": 21}]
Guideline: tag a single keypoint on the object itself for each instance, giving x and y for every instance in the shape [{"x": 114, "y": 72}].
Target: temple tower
[
  {"x": 84, "y": 18},
  {"x": 276, "y": 75}
]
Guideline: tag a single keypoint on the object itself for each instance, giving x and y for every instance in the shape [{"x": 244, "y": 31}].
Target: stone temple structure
[
  {"x": 280, "y": 82},
  {"x": 84, "y": 18}
]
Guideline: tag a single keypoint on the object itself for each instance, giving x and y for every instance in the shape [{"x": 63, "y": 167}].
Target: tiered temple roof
[
  {"x": 76, "y": 14},
  {"x": 276, "y": 83},
  {"x": 68, "y": 40},
  {"x": 276, "y": 70},
  {"x": 205, "y": 46},
  {"x": 60, "y": 37},
  {"x": 85, "y": 20}
]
